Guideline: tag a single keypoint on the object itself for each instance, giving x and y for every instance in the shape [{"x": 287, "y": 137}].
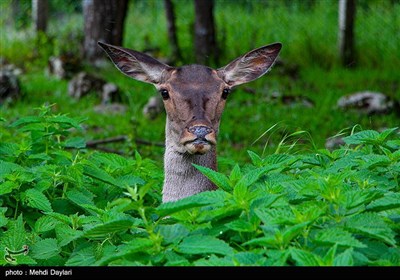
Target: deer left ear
[{"x": 250, "y": 66}]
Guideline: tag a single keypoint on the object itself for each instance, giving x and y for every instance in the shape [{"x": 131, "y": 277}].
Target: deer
[{"x": 194, "y": 98}]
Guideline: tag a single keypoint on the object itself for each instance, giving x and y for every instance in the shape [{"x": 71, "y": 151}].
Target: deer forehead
[{"x": 195, "y": 80}]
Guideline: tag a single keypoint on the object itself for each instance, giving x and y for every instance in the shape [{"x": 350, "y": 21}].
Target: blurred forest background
[{"x": 338, "y": 70}]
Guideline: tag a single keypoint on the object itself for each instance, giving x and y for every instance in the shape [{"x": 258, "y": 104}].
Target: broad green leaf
[
  {"x": 213, "y": 260},
  {"x": 250, "y": 178},
  {"x": 134, "y": 246},
  {"x": 8, "y": 187},
  {"x": 106, "y": 229},
  {"x": 219, "y": 179},
  {"x": 8, "y": 149},
  {"x": 255, "y": 159},
  {"x": 173, "y": 259},
  {"x": 45, "y": 223},
  {"x": 79, "y": 198},
  {"x": 26, "y": 120},
  {"x": 345, "y": 258},
  {"x": 45, "y": 248},
  {"x": 3, "y": 219},
  {"x": 264, "y": 201},
  {"x": 330, "y": 255},
  {"x": 15, "y": 236},
  {"x": 75, "y": 142},
  {"x": 331, "y": 236},
  {"x": 112, "y": 160},
  {"x": 60, "y": 217},
  {"x": 172, "y": 233},
  {"x": 198, "y": 200},
  {"x": 277, "y": 257},
  {"x": 82, "y": 256},
  {"x": 65, "y": 234},
  {"x": 38, "y": 200},
  {"x": 236, "y": 174},
  {"x": 304, "y": 258},
  {"x": 63, "y": 119},
  {"x": 240, "y": 225},
  {"x": 292, "y": 232},
  {"x": 362, "y": 137},
  {"x": 371, "y": 225},
  {"x": 204, "y": 244},
  {"x": 249, "y": 259},
  {"x": 95, "y": 172},
  {"x": 389, "y": 201},
  {"x": 386, "y": 133},
  {"x": 129, "y": 180}
]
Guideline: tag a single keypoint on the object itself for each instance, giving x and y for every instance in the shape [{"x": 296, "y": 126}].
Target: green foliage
[{"x": 72, "y": 206}]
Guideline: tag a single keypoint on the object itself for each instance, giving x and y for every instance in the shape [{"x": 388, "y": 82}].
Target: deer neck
[{"x": 181, "y": 178}]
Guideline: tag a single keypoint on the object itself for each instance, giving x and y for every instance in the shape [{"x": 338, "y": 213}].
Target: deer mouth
[{"x": 198, "y": 146}]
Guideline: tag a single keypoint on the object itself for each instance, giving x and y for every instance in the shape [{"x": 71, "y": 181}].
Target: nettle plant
[{"x": 61, "y": 204}]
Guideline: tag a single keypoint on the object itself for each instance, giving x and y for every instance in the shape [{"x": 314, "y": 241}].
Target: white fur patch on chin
[{"x": 197, "y": 148}]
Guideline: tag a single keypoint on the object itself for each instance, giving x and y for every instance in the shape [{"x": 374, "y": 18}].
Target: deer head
[{"x": 194, "y": 98}]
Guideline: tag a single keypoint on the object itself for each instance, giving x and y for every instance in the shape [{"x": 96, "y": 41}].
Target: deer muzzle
[{"x": 198, "y": 139}]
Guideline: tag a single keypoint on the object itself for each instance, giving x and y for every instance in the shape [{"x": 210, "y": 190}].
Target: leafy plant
[{"x": 76, "y": 207}]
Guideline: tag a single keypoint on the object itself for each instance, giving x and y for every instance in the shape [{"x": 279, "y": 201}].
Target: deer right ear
[
  {"x": 136, "y": 65},
  {"x": 251, "y": 65}
]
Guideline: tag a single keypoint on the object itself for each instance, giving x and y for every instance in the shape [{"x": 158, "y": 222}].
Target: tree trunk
[
  {"x": 172, "y": 36},
  {"x": 205, "y": 43},
  {"x": 40, "y": 10},
  {"x": 103, "y": 21},
  {"x": 347, "y": 12}
]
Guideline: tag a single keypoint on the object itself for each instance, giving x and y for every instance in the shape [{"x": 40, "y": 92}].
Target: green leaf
[
  {"x": 213, "y": 260},
  {"x": 134, "y": 246},
  {"x": 371, "y": 225},
  {"x": 45, "y": 249},
  {"x": 330, "y": 255},
  {"x": 26, "y": 120},
  {"x": 197, "y": 200},
  {"x": 108, "y": 228},
  {"x": 82, "y": 256},
  {"x": 3, "y": 219},
  {"x": 249, "y": 259},
  {"x": 250, "y": 178},
  {"x": 255, "y": 159},
  {"x": 389, "y": 201},
  {"x": 345, "y": 258},
  {"x": 304, "y": 258},
  {"x": 65, "y": 234},
  {"x": 8, "y": 187},
  {"x": 204, "y": 244},
  {"x": 332, "y": 236},
  {"x": 75, "y": 142},
  {"x": 93, "y": 171},
  {"x": 236, "y": 174},
  {"x": 240, "y": 225},
  {"x": 292, "y": 232},
  {"x": 38, "y": 200},
  {"x": 172, "y": 233},
  {"x": 219, "y": 179},
  {"x": 8, "y": 149},
  {"x": 15, "y": 237},
  {"x": 63, "y": 119},
  {"x": 79, "y": 198},
  {"x": 45, "y": 223}
]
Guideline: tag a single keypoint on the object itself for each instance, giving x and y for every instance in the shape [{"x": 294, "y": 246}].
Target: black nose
[{"x": 200, "y": 131}]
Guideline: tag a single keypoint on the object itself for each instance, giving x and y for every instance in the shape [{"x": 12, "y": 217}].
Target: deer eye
[
  {"x": 225, "y": 93},
  {"x": 164, "y": 93}
]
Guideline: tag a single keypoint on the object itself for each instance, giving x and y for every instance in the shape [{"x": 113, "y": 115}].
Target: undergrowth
[{"x": 62, "y": 204}]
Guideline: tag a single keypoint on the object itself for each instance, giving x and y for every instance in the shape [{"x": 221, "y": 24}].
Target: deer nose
[{"x": 200, "y": 131}]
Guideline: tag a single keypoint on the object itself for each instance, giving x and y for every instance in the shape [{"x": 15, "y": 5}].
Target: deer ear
[
  {"x": 250, "y": 66},
  {"x": 136, "y": 65}
]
